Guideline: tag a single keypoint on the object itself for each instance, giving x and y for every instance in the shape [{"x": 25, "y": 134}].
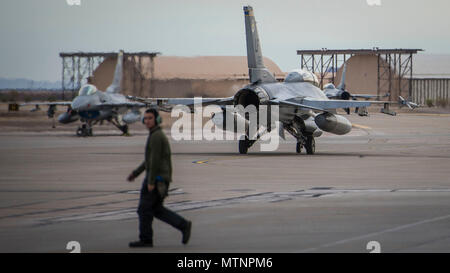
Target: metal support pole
[
  {"x": 321, "y": 71},
  {"x": 390, "y": 76},
  {"x": 73, "y": 76},
  {"x": 410, "y": 75},
  {"x": 378, "y": 75},
  {"x": 400, "y": 72},
  {"x": 62, "y": 80},
  {"x": 152, "y": 75}
]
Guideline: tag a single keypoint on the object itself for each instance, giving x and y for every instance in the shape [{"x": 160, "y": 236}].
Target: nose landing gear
[{"x": 84, "y": 130}]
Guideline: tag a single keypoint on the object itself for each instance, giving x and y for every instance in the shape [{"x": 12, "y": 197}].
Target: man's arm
[
  {"x": 139, "y": 169},
  {"x": 155, "y": 159},
  {"x": 136, "y": 172}
]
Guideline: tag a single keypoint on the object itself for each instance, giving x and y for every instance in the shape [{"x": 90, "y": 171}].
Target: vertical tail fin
[
  {"x": 341, "y": 85},
  {"x": 256, "y": 69},
  {"x": 118, "y": 72}
]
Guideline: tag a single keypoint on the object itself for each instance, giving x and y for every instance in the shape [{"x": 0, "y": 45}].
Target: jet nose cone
[{"x": 81, "y": 103}]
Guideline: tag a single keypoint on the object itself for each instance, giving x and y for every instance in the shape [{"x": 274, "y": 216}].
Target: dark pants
[{"x": 151, "y": 205}]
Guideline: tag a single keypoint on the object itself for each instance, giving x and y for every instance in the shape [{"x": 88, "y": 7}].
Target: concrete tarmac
[{"x": 387, "y": 181}]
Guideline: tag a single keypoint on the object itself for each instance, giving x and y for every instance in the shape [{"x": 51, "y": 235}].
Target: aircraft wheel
[
  {"x": 310, "y": 145},
  {"x": 125, "y": 129},
  {"x": 243, "y": 145},
  {"x": 80, "y": 131},
  {"x": 83, "y": 131},
  {"x": 298, "y": 148}
]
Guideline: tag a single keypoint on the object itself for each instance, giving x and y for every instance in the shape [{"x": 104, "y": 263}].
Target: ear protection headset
[{"x": 155, "y": 112}]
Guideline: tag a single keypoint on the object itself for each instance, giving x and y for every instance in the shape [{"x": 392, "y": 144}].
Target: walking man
[{"x": 158, "y": 169}]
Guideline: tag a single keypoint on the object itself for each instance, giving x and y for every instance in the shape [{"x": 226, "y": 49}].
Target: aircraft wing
[
  {"x": 327, "y": 105},
  {"x": 295, "y": 104},
  {"x": 333, "y": 104},
  {"x": 321, "y": 105},
  {"x": 64, "y": 103},
  {"x": 166, "y": 104},
  {"x": 401, "y": 102},
  {"x": 383, "y": 102},
  {"x": 128, "y": 104},
  {"x": 368, "y": 96},
  {"x": 353, "y": 96},
  {"x": 363, "y": 96}
]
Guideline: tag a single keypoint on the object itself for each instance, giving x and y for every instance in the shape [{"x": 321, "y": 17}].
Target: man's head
[{"x": 151, "y": 118}]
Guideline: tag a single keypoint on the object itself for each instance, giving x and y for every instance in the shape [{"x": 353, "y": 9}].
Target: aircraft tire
[
  {"x": 80, "y": 131},
  {"x": 310, "y": 145},
  {"x": 124, "y": 129},
  {"x": 298, "y": 147},
  {"x": 243, "y": 146}
]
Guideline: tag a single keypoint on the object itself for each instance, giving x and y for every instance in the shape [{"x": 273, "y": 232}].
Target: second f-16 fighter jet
[
  {"x": 92, "y": 106},
  {"x": 341, "y": 93},
  {"x": 304, "y": 109}
]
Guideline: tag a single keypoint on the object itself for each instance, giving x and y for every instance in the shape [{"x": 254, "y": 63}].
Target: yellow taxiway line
[
  {"x": 354, "y": 125},
  {"x": 200, "y": 162}
]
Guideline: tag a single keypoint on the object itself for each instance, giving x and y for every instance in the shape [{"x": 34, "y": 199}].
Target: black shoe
[
  {"x": 141, "y": 244},
  {"x": 187, "y": 233}
]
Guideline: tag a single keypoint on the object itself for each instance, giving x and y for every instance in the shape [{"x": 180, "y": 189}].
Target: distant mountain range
[{"x": 20, "y": 83}]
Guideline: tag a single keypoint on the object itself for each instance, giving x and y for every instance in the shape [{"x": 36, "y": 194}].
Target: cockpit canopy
[
  {"x": 329, "y": 86},
  {"x": 301, "y": 75},
  {"x": 87, "y": 90}
]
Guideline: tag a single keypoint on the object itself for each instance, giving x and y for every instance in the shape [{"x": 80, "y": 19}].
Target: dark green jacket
[{"x": 157, "y": 157}]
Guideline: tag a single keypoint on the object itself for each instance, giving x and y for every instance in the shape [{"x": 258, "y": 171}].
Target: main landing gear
[
  {"x": 85, "y": 129},
  {"x": 308, "y": 142},
  {"x": 244, "y": 145},
  {"x": 123, "y": 128},
  {"x": 245, "y": 142}
]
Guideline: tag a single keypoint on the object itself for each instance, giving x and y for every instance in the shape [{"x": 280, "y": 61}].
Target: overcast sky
[{"x": 34, "y": 32}]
